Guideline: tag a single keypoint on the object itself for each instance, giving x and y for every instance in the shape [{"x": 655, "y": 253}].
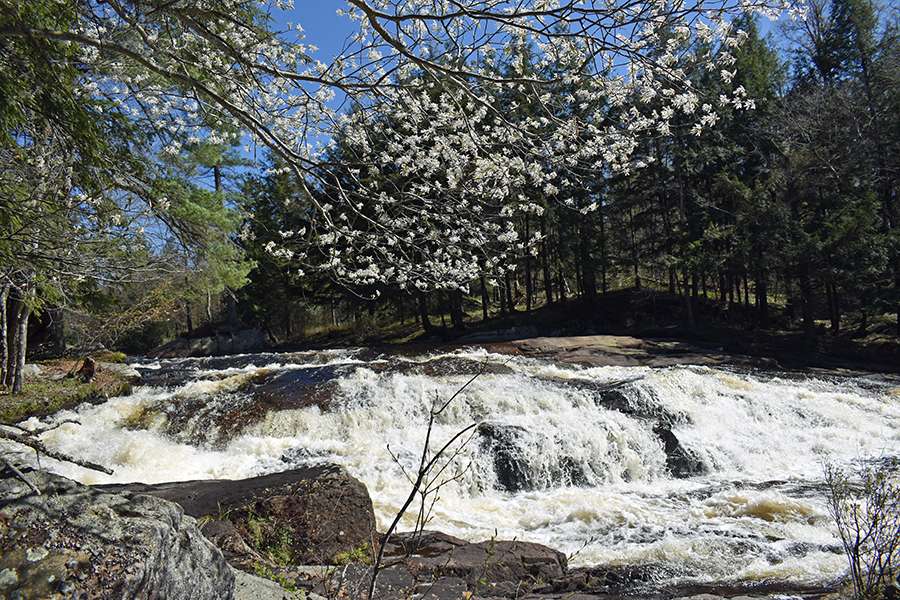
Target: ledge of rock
[
  {"x": 74, "y": 541},
  {"x": 308, "y": 515},
  {"x": 438, "y": 566}
]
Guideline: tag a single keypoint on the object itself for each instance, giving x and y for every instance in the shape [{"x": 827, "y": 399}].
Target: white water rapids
[{"x": 598, "y": 482}]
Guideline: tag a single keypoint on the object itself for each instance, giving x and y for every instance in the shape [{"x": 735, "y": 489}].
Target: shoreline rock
[
  {"x": 74, "y": 541},
  {"x": 312, "y": 515}
]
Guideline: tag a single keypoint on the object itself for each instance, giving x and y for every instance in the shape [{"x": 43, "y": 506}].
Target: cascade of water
[{"x": 684, "y": 467}]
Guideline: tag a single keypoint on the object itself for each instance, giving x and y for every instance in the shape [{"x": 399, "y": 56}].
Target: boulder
[
  {"x": 251, "y": 587},
  {"x": 32, "y": 371},
  {"x": 507, "y": 446},
  {"x": 680, "y": 461},
  {"x": 436, "y": 566},
  {"x": 500, "y": 442},
  {"x": 311, "y": 515},
  {"x": 74, "y": 541},
  {"x": 126, "y": 372},
  {"x": 491, "y": 563}
]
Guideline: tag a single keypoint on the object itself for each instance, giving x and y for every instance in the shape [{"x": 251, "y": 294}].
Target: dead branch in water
[
  {"x": 427, "y": 483},
  {"x": 31, "y": 439}
]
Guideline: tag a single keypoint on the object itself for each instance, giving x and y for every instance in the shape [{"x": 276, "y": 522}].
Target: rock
[
  {"x": 84, "y": 542},
  {"x": 241, "y": 400},
  {"x": 126, "y": 372},
  {"x": 508, "y": 446},
  {"x": 237, "y": 342},
  {"x": 295, "y": 388},
  {"x": 680, "y": 461},
  {"x": 500, "y": 441},
  {"x": 302, "y": 516},
  {"x": 251, "y": 587},
  {"x": 436, "y": 566},
  {"x": 32, "y": 371},
  {"x": 489, "y": 563}
]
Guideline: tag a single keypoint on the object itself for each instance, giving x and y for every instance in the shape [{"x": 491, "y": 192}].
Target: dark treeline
[{"x": 784, "y": 212}]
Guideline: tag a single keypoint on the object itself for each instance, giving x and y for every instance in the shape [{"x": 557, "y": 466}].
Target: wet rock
[
  {"x": 507, "y": 445},
  {"x": 437, "y": 566},
  {"x": 634, "y": 401},
  {"x": 494, "y": 561},
  {"x": 303, "y": 516},
  {"x": 228, "y": 406},
  {"x": 680, "y": 461},
  {"x": 607, "y": 579},
  {"x": 295, "y": 388},
  {"x": 84, "y": 542},
  {"x": 500, "y": 441}
]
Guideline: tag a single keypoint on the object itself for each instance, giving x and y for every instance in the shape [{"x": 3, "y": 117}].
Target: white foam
[{"x": 749, "y": 430}]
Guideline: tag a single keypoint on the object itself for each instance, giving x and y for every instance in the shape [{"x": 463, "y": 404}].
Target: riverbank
[{"x": 54, "y": 385}]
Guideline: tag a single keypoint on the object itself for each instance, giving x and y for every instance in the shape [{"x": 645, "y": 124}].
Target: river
[{"x": 577, "y": 458}]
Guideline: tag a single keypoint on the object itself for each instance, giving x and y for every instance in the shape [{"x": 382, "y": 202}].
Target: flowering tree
[{"x": 425, "y": 82}]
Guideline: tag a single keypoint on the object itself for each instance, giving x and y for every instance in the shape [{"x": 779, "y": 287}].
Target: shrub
[{"x": 865, "y": 505}]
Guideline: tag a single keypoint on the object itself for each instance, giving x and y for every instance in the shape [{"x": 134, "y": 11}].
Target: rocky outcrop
[
  {"x": 507, "y": 446},
  {"x": 73, "y": 541},
  {"x": 237, "y": 342},
  {"x": 438, "y": 566},
  {"x": 642, "y": 404},
  {"x": 311, "y": 515},
  {"x": 680, "y": 461}
]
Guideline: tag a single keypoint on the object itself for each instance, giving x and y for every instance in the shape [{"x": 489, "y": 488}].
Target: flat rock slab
[{"x": 622, "y": 351}]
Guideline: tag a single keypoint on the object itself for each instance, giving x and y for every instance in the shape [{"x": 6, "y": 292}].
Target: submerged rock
[
  {"x": 311, "y": 515},
  {"x": 680, "y": 461},
  {"x": 507, "y": 445},
  {"x": 74, "y": 541}
]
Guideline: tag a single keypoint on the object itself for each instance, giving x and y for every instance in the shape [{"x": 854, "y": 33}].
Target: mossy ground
[{"x": 54, "y": 390}]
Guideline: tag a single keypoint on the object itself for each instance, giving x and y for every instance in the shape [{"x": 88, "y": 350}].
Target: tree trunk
[
  {"x": 188, "y": 318},
  {"x": 527, "y": 263},
  {"x": 457, "y": 318},
  {"x": 4, "y": 338},
  {"x": 634, "y": 252},
  {"x": 422, "y": 302},
  {"x": 806, "y": 301},
  {"x": 688, "y": 300},
  {"x": 588, "y": 275},
  {"x": 21, "y": 345},
  {"x": 485, "y": 298},
  {"x": 510, "y": 305},
  {"x": 604, "y": 252},
  {"x": 762, "y": 299},
  {"x": 57, "y": 330},
  {"x": 834, "y": 311},
  {"x": 545, "y": 263}
]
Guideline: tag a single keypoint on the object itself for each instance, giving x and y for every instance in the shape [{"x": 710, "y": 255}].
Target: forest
[{"x": 162, "y": 179}]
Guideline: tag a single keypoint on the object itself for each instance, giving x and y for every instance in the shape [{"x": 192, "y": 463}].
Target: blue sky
[{"x": 323, "y": 26}]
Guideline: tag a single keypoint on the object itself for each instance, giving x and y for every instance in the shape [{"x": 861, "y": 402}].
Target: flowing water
[{"x": 576, "y": 458}]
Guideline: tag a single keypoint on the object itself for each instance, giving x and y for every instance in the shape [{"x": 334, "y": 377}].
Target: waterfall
[{"x": 705, "y": 473}]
